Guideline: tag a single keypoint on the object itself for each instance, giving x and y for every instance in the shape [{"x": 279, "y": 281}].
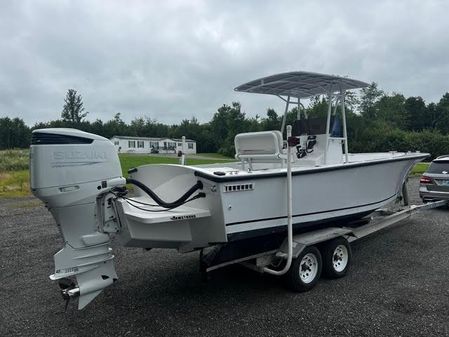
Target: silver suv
[{"x": 434, "y": 183}]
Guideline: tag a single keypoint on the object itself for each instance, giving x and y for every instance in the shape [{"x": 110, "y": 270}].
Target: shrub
[{"x": 379, "y": 137}]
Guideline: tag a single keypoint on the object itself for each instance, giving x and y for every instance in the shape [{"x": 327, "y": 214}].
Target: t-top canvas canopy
[{"x": 300, "y": 84}]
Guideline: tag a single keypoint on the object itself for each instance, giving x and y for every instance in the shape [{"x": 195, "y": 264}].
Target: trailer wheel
[
  {"x": 336, "y": 257},
  {"x": 305, "y": 270}
]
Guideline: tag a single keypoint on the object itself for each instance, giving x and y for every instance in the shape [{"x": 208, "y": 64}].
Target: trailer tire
[
  {"x": 336, "y": 257},
  {"x": 305, "y": 270}
]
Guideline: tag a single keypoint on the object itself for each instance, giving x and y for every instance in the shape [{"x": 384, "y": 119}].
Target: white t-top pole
[
  {"x": 183, "y": 156},
  {"x": 289, "y": 213}
]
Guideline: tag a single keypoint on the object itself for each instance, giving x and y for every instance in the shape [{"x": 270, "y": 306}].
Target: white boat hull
[
  {"x": 240, "y": 205},
  {"x": 317, "y": 197}
]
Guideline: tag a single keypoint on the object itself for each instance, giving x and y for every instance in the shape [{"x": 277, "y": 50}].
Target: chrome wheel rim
[
  {"x": 308, "y": 268},
  {"x": 340, "y": 258}
]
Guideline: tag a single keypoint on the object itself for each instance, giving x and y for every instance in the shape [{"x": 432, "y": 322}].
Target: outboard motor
[{"x": 70, "y": 170}]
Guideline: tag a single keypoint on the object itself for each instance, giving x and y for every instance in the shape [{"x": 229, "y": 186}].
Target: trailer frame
[{"x": 380, "y": 220}]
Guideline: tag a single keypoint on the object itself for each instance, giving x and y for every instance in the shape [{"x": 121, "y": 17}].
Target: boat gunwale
[{"x": 265, "y": 175}]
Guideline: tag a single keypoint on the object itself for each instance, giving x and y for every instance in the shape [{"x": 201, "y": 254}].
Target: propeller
[{"x": 65, "y": 285}]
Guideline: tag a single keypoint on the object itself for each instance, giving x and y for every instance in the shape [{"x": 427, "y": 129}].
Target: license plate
[{"x": 442, "y": 182}]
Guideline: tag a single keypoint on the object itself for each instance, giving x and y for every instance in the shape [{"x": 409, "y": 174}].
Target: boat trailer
[
  {"x": 302, "y": 258},
  {"x": 324, "y": 250}
]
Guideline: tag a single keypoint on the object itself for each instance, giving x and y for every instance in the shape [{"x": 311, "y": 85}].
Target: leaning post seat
[{"x": 263, "y": 146}]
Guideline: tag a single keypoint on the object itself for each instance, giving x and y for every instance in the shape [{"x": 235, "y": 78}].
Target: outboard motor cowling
[{"x": 69, "y": 170}]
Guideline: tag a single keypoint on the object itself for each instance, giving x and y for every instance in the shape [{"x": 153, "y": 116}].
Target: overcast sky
[{"x": 171, "y": 60}]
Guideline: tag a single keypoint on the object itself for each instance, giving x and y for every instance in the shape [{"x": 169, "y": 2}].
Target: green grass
[
  {"x": 133, "y": 160},
  {"x": 211, "y": 156},
  {"x": 420, "y": 168},
  {"x": 15, "y": 159},
  {"x": 14, "y": 183},
  {"x": 14, "y": 175}
]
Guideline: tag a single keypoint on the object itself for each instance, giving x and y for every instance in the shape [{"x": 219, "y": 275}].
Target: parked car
[{"x": 434, "y": 183}]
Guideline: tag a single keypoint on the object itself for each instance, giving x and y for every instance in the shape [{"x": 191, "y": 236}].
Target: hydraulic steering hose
[{"x": 162, "y": 203}]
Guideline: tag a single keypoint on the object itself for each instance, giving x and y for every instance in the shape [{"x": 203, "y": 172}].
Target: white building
[{"x": 125, "y": 144}]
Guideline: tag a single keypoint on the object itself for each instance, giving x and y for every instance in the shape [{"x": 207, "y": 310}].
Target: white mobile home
[{"x": 125, "y": 144}]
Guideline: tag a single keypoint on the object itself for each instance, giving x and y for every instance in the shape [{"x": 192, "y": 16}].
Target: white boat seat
[{"x": 263, "y": 146}]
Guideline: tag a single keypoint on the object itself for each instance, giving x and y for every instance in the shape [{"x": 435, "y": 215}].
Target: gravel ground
[{"x": 398, "y": 285}]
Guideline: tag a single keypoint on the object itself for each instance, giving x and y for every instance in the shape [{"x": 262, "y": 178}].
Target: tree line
[{"x": 377, "y": 121}]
